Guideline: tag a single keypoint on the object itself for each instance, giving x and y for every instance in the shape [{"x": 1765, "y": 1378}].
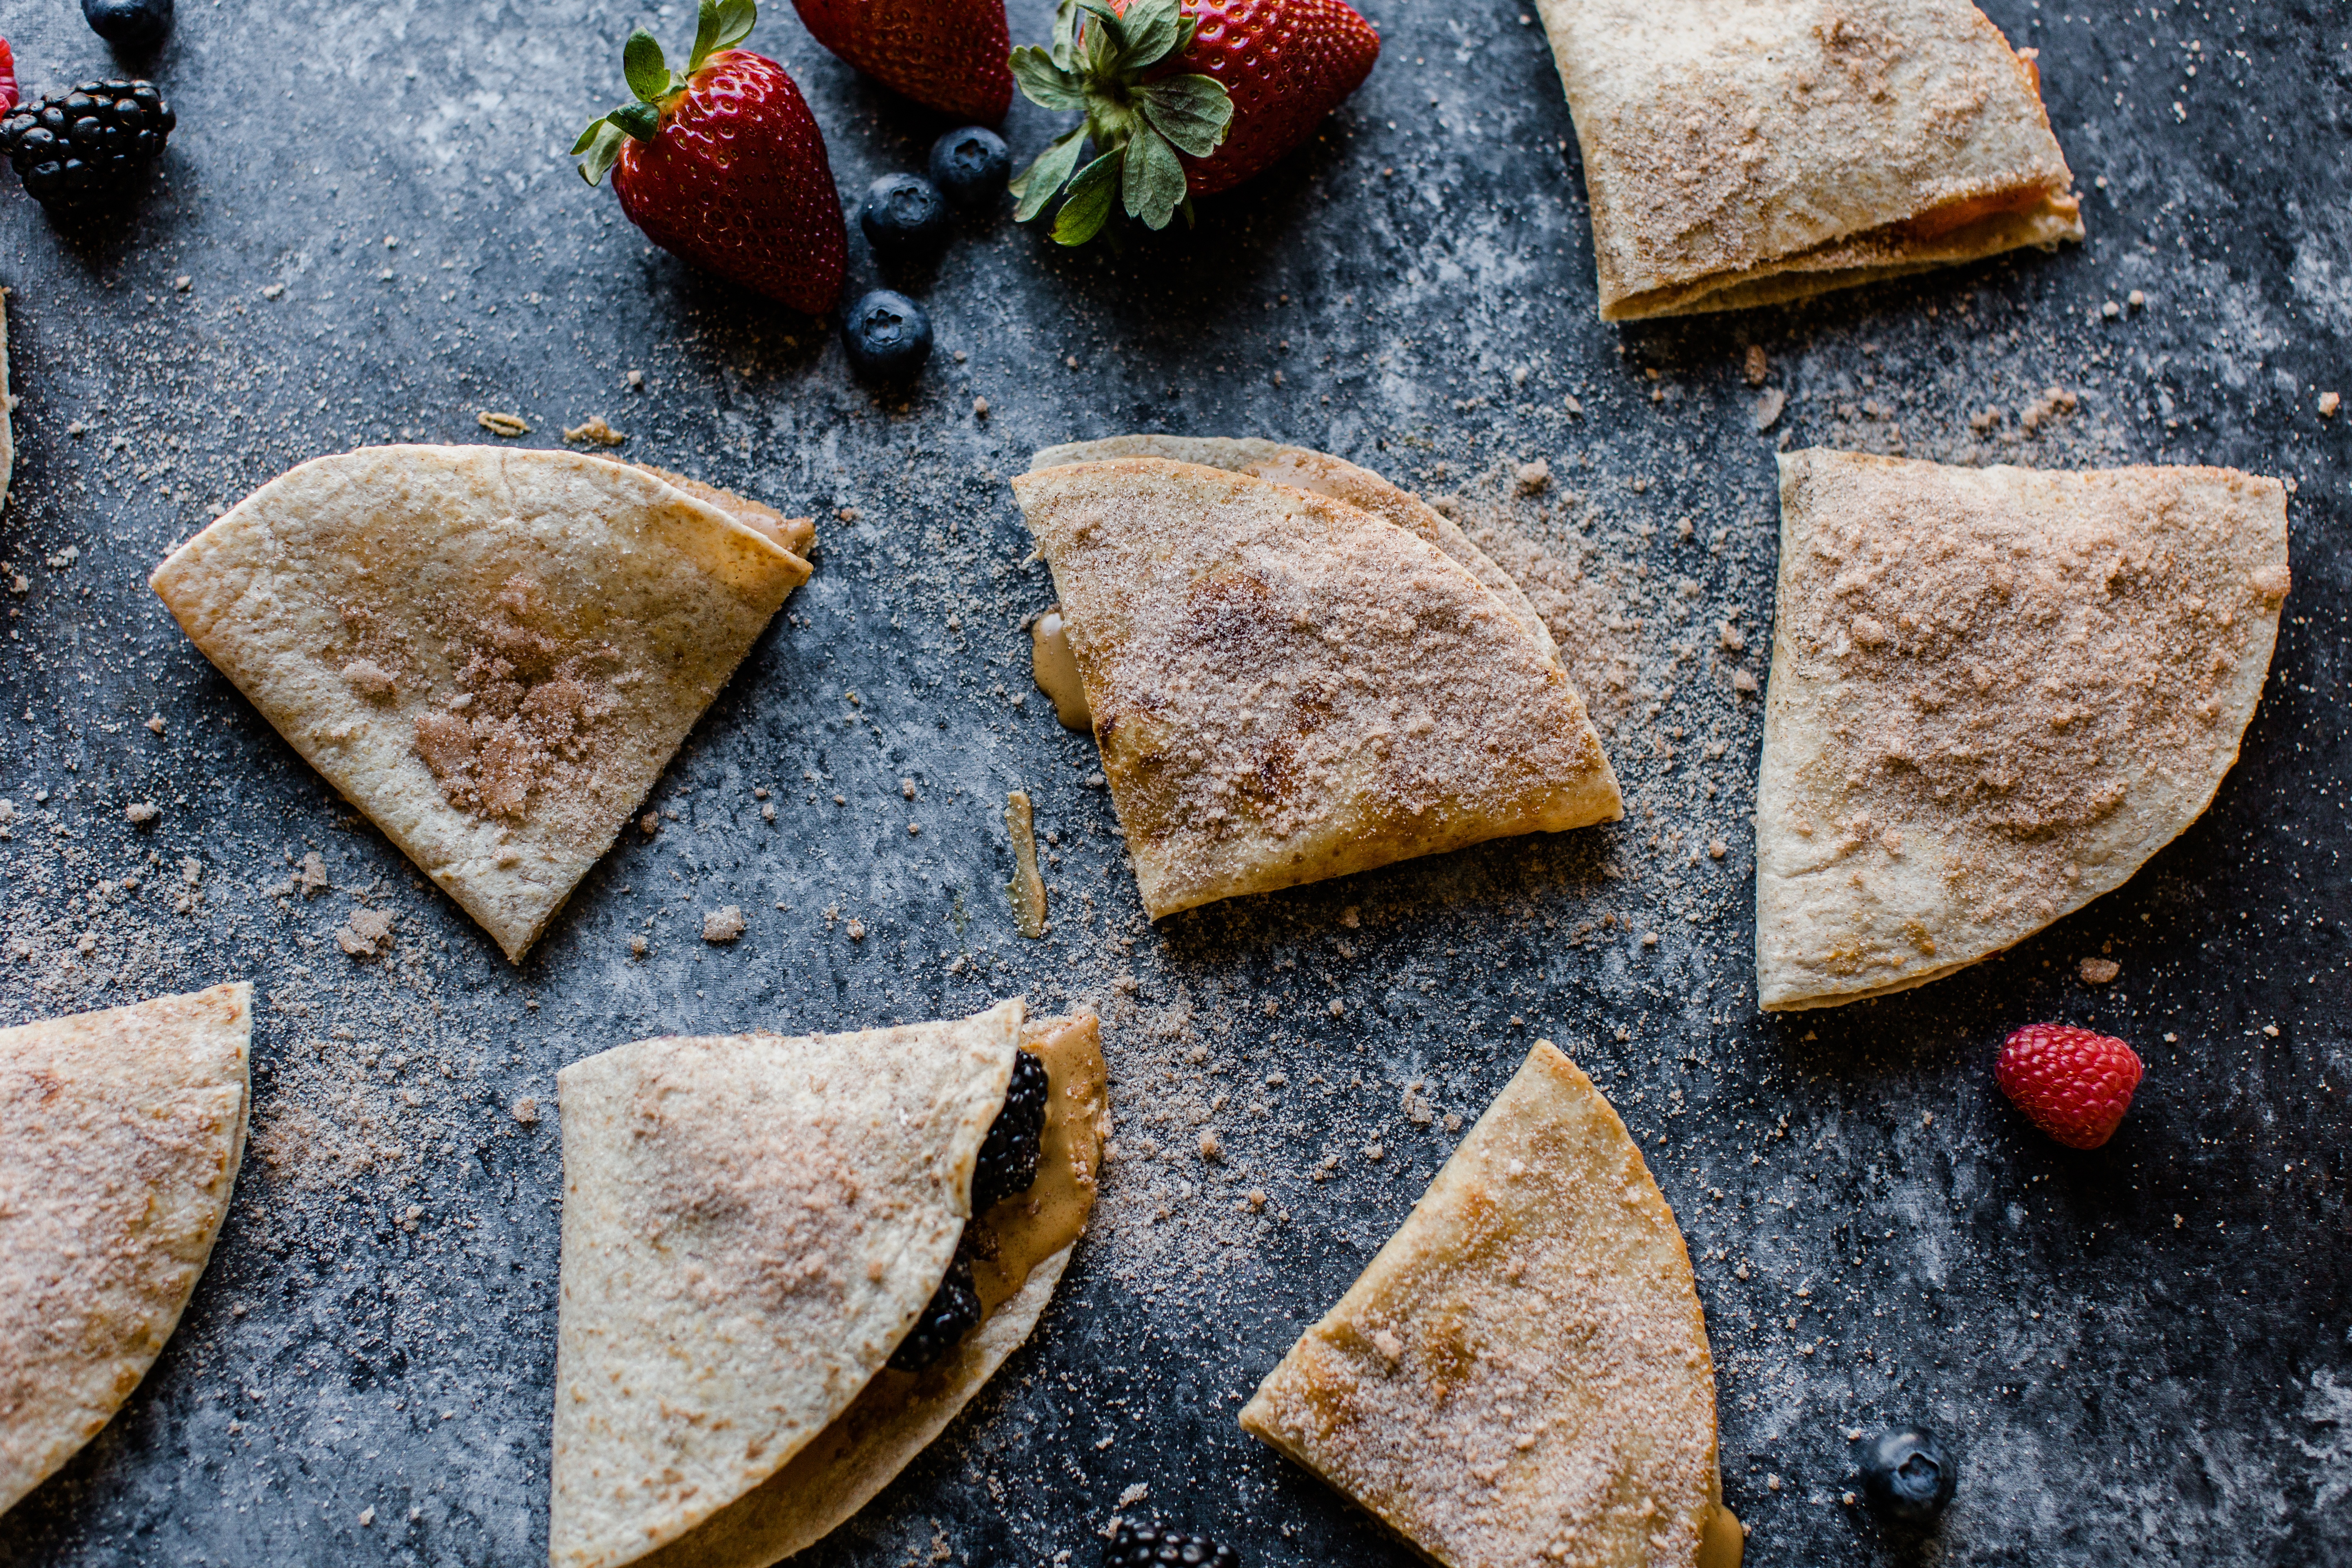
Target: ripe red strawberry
[
  {"x": 2073, "y": 1083},
  {"x": 947, "y": 55},
  {"x": 725, "y": 167},
  {"x": 1182, "y": 98},
  {"x": 1284, "y": 63}
]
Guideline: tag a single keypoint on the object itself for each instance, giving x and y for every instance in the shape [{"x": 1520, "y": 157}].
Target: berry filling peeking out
[{"x": 1007, "y": 1167}]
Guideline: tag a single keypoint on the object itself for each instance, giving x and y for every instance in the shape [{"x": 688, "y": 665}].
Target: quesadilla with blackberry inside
[
  {"x": 1296, "y": 671},
  {"x": 788, "y": 1263}
]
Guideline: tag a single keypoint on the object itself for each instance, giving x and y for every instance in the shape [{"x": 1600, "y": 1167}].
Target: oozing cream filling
[
  {"x": 1056, "y": 671},
  {"x": 1721, "y": 1540}
]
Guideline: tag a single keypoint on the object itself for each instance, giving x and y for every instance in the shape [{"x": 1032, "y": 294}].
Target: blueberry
[
  {"x": 903, "y": 214},
  {"x": 970, "y": 165},
  {"x": 1906, "y": 1475},
  {"x": 887, "y": 336},
  {"x": 133, "y": 24}
]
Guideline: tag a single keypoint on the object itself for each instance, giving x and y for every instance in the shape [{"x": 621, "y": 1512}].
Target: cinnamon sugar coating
[
  {"x": 1995, "y": 693},
  {"x": 1287, "y": 687}
]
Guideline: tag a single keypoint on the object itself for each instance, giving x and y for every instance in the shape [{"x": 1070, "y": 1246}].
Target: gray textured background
[{"x": 2145, "y": 1355}]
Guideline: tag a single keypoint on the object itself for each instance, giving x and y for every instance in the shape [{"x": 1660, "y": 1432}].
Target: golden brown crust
[
  {"x": 1286, "y": 687},
  {"x": 1737, "y": 155},
  {"x": 797, "y": 534},
  {"x": 120, "y": 1134},
  {"x": 1994, "y": 694},
  {"x": 1522, "y": 1373}
]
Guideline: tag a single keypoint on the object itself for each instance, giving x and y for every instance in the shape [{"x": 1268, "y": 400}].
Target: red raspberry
[{"x": 2073, "y": 1083}]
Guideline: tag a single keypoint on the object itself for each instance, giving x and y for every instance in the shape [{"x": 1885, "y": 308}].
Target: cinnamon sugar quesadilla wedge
[
  {"x": 1521, "y": 1374},
  {"x": 789, "y": 1263},
  {"x": 493, "y": 654},
  {"x": 120, "y": 1134},
  {"x": 1995, "y": 693},
  {"x": 1744, "y": 154},
  {"x": 1286, "y": 687}
]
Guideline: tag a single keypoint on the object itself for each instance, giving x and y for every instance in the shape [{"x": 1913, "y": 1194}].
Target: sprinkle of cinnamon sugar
[{"x": 524, "y": 716}]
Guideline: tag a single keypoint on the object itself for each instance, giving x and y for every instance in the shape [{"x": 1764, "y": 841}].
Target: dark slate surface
[{"x": 2145, "y": 1355}]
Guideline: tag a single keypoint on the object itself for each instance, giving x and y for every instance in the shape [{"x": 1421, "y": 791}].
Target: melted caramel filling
[
  {"x": 1939, "y": 221},
  {"x": 1056, "y": 671},
  {"x": 1721, "y": 1542},
  {"x": 1024, "y": 1230}
]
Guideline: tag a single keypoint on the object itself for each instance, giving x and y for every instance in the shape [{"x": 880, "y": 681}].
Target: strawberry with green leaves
[
  {"x": 1181, "y": 98},
  {"x": 725, "y": 166}
]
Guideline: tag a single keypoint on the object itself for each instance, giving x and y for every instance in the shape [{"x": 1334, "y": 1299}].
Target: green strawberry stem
[
  {"x": 719, "y": 25},
  {"x": 1136, "y": 128}
]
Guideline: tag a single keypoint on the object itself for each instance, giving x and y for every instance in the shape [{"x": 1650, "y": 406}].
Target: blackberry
[
  {"x": 1007, "y": 1164},
  {"x": 1008, "y": 1160},
  {"x": 1150, "y": 1545},
  {"x": 952, "y": 1313},
  {"x": 81, "y": 148}
]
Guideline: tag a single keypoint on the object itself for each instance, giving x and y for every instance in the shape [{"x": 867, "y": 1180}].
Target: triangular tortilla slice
[
  {"x": 120, "y": 1134},
  {"x": 1287, "y": 687},
  {"x": 493, "y": 654},
  {"x": 1995, "y": 692},
  {"x": 1743, "y": 155},
  {"x": 1304, "y": 470},
  {"x": 751, "y": 1225},
  {"x": 1521, "y": 1374}
]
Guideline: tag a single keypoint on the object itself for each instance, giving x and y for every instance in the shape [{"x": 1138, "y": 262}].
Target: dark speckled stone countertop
[{"x": 365, "y": 231}]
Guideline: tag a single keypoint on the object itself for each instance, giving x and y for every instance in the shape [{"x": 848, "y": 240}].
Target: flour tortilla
[
  {"x": 493, "y": 654},
  {"x": 120, "y": 1134},
  {"x": 1325, "y": 475},
  {"x": 1743, "y": 155},
  {"x": 1522, "y": 1373},
  {"x": 863, "y": 1450},
  {"x": 898, "y": 1414},
  {"x": 796, "y": 534},
  {"x": 1287, "y": 687},
  {"x": 1995, "y": 692},
  {"x": 750, "y": 1225}
]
